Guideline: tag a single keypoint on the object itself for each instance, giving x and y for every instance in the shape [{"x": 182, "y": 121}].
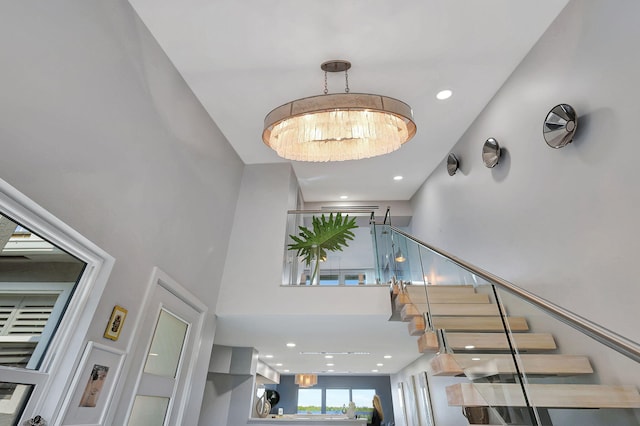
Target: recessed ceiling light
[
  {"x": 268, "y": 356},
  {"x": 291, "y": 345},
  {"x": 379, "y": 364},
  {"x": 374, "y": 371},
  {"x": 469, "y": 347},
  {"x": 330, "y": 364},
  {"x": 344, "y": 197},
  {"x": 387, "y": 356},
  {"x": 475, "y": 359},
  {"x": 330, "y": 371},
  {"x": 286, "y": 371},
  {"x": 328, "y": 356},
  {"x": 398, "y": 177},
  {"x": 444, "y": 94},
  {"x": 279, "y": 364}
]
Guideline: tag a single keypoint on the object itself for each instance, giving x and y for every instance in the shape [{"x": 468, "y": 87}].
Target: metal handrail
[{"x": 603, "y": 335}]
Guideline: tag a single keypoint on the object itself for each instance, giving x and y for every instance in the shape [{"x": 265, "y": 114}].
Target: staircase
[{"x": 474, "y": 344}]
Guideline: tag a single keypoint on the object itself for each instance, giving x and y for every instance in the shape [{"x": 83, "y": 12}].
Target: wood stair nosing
[
  {"x": 498, "y": 341},
  {"x": 543, "y": 395},
  {"x": 489, "y": 324},
  {"x": 493, "y": 364},
  {"x": 450, "y": 309}
]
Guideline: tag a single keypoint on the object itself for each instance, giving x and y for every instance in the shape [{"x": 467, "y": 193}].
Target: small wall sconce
[
  {"x": 490, "y": 153},
  {"x": 560, "y": 126},
  {"x": 452, "y": 164}
]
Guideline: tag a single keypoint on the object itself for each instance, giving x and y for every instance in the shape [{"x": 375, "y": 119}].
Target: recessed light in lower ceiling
[{"x": 398, "y": 178}]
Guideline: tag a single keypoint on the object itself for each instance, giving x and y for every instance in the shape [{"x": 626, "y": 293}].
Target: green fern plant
[{"x": 329, "y": 234}]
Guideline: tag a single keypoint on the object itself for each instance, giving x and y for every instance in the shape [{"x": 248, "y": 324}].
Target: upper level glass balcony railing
[{"x": 349, "y": 264}]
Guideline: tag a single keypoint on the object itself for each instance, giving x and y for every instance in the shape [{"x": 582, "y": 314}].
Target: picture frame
[
  {"x": 93, "y": 385},
  {"x": 116, "y": 322},
  {"x": 425, "y": 398}
]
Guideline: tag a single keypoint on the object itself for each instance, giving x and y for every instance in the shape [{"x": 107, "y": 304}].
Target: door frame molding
[{"x": 139, "y": 346}]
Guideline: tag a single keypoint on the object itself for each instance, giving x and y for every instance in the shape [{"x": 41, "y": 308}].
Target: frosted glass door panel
[
  {"x": 148, "y": 411},
  {"x": 166, "y": 347}
]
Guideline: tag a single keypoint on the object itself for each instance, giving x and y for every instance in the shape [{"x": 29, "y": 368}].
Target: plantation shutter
[{"x": 22, "y": 321}]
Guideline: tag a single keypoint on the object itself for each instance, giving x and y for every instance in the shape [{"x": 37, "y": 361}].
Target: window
[
  {"x": 42, "y": 317},
  {"x": 363, "y": 398},
  {"x": 339, "y": 277},
  {"x": 309, "y": 401},
  {"x": 37, "y": 280},
  {"x": 334, "y": 401}
]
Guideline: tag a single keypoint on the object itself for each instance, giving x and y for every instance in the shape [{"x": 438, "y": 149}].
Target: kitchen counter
[{"x": 309, "y": 419}]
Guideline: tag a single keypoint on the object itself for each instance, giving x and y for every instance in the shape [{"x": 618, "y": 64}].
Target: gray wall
[
  {"x": 98, "y": 127},
  {"x": 561, "y": 223}
]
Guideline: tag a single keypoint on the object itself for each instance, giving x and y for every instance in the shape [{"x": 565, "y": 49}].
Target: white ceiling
[
  {"x": 323, "y": 333},
  {"x": 242, "y": 58}
]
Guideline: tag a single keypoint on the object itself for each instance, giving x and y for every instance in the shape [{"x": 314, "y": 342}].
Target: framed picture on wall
[
  {"x": 93, "y": 385},
  {"x": 116, "y": 322}
]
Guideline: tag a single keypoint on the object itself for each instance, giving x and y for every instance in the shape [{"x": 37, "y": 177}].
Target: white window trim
[{"x": 66, "y": 347}]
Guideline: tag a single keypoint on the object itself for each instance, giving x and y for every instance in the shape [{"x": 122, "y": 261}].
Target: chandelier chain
[
  {"x": 346, "y": 81},
  {"x": 326, "y": 90}
]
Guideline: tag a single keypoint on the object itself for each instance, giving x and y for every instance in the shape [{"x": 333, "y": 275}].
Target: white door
[{"x": 174, "y": 322}]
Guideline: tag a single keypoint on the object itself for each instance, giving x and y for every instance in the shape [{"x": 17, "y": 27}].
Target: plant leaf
[{"x": 329, "y": 234}]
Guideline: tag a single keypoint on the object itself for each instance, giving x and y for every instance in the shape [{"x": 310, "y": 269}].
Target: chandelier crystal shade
[
  {"x": 338, "y": 127},
  {"x": 306, "y": 380}
]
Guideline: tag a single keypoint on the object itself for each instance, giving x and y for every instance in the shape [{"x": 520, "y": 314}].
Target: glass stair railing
[
  {"x": 351, "y": 264},
  {"x": 525, "y": 360}
]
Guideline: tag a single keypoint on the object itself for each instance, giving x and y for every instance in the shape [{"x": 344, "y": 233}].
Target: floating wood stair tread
[
  {"x": 413, "y": 291},
  {"x": 417, "y": 325},
  {"x": 434, "y": 289},
  {"x": 421, "y": 299},
  {"x": 450, "y": 309},
  {"x": 498, "y": 341},
  {"x": 492, "y": 364},
  {"x": 547, "y": 395}
]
